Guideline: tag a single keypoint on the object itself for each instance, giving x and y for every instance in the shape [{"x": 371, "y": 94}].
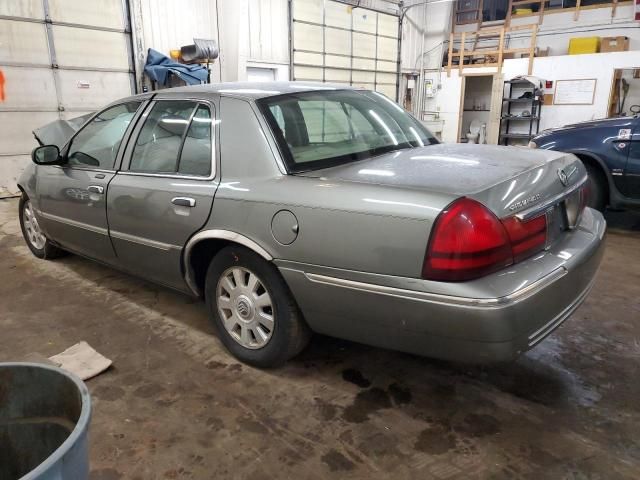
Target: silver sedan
[{"x": 294, "y": 208}]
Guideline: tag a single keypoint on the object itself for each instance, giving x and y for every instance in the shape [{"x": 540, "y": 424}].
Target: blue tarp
[{"x": 159, "y": 66}]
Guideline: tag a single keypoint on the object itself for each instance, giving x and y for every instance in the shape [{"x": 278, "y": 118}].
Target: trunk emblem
[
  {"x": 565, "y": 175},
  {"x": 525, "y": 202}
]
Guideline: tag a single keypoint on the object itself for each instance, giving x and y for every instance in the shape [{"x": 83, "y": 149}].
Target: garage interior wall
[
  {"x": 425, "y": 31},
  {"x": 166, "y": 25},
  {"x": 334, "y": 42},
  {"x": 89, "y": 45},
  {"x": 75, "y": 62},
  {"x": 592, "y": 66},
  {"x": 441, "y": 110},
  {"x": 249, "y": 33}
]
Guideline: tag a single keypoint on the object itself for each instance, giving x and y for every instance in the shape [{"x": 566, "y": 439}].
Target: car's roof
[{"x": 254, "y": 90}]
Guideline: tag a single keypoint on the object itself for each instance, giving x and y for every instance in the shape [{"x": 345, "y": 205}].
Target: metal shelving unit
[{"x": 526, "y": 126}]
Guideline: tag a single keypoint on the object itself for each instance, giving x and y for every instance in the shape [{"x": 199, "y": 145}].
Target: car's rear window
[{"x": 331, "y": 127}]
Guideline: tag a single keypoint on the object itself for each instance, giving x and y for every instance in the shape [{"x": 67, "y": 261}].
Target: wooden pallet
[
  {"x": 479, "y": 57},
  {"x": 488, "y": 56}
]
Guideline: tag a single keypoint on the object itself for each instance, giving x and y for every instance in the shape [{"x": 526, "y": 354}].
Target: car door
[
  {"x": 72, "y": 196},
  {"x": 165, "y": 191},
  {"x": 632, "y": 170}
]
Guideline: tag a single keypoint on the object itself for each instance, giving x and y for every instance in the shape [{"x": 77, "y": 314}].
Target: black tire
[
  {"x": 289, "y": 335},
  {"x": 48, "y": 250},
  {"x": 598, "y": 188}
]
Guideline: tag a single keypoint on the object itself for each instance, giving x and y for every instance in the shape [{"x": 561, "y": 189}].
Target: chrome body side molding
[
  {"x": 143, "y": 241},
  {"x": 73, "y": 223},
  {"x": 440, "y": 298}
]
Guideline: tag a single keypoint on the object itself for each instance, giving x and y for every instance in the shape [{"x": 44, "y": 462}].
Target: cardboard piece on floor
[{"x": 81, "y": 360}]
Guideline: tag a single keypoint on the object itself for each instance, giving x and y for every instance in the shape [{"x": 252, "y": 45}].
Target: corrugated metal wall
[
  {"x": 165, "y": 25},
  {"x": 169, "y": 24},
  {"x": 268, "y": 31},
  {"x": 60, "y": 59},
  {"x": 93, "y": 51},
  {"x": 246, "y": 30},
  {"x": 334, "y": 42},
  {"x": 432, "y": 20}
]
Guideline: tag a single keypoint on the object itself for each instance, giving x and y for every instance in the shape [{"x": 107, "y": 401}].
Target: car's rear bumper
[{"x": 406, "y": 314}]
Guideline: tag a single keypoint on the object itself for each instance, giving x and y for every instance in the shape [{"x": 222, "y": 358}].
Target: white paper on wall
[{"x": 575, "y": 92}]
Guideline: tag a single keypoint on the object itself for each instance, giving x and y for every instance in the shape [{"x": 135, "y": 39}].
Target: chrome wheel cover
[
  {"x": 245, "y": 307},
  {"x": 34, "y": 234}
]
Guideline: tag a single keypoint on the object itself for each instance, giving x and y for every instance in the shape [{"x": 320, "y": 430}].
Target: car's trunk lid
[{"x": 506, "y": 179}]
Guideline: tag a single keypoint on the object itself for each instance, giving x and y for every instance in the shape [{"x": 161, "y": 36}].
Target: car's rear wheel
[
  {"x": 253, "y": 309},
  {"x": 597, "y": 188},
  {"x": 36, "y": 240}
]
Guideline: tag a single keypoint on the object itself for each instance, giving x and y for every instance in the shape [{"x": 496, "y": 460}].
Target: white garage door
[
  {"x": 60, "y": 59},
  {"x": 333, "y": 42}
]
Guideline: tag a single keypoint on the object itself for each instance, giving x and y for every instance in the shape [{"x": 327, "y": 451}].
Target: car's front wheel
[
  {"x": 36, "y": 240},
  {"x": 253, "y": 309}
]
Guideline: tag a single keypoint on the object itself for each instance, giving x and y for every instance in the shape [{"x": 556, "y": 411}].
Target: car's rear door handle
[
  {"x": 184, "y": 201},
  {"x": 95, "y": 189}
]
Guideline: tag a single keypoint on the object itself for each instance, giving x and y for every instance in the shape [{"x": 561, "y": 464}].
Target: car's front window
[
  {"x": 331, "y": 127},
  {"x": 97, "y": 144}
]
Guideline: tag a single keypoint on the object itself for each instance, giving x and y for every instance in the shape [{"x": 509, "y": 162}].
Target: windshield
[{"x": 332, "y": 127}]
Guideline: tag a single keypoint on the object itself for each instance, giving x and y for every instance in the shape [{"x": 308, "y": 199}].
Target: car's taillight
[
  {"x": 468, "y": 241},
  {"x": 527, "y": 237}
]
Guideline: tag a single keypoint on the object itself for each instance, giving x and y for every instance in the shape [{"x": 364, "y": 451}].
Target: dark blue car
[{"x": 610, "y": 149}]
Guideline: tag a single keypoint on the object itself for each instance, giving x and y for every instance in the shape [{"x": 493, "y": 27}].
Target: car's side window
[
  {"x": 158, "y": 145},
  {"x": 195, "y": 158},
  {"x": 175, "y": 138},
  {"x": 97, "y": 144}
]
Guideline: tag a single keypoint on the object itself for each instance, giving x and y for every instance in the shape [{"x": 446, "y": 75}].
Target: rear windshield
[{"x": 332, "y": 127}]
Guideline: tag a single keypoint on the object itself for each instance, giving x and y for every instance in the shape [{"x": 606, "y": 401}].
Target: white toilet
[{"x": 474, "y": 131}]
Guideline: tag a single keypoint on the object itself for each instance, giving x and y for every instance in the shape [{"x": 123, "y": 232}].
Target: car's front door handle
[
  {"x": 95, "y": 189},
  {"x": 184, "y": 201}
]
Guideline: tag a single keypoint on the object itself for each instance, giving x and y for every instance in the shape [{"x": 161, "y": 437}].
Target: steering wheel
[{"x": 635, "y": 109}]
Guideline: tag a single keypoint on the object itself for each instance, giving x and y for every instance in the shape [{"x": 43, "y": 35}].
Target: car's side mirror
[{"x": 46, "y": 155}]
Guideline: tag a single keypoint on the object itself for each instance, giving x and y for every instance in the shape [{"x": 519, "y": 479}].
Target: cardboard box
[
  {"x": 614, "y": 44},
  {"x": 580, "y": 45}
]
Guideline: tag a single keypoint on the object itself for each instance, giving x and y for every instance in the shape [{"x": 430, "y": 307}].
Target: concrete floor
[{"x": 175, "y": 405}]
